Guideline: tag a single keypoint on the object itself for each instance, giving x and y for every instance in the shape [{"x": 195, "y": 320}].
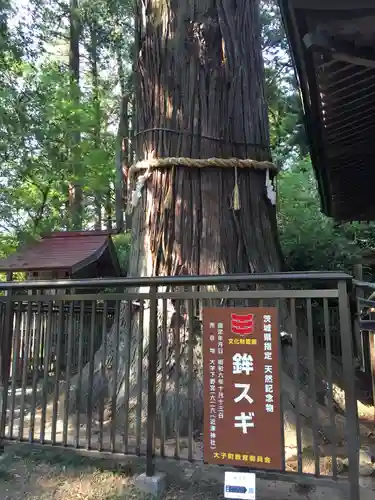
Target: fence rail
[
  {"x": 30, "y": 323},
  {"x": 129, "y": 379}
]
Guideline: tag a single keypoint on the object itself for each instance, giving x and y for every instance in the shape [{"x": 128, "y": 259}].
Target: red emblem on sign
[{"x": 242, "y": 324}]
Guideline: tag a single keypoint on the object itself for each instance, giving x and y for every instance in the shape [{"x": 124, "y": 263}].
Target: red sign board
[{"x": 242, "y": 420}]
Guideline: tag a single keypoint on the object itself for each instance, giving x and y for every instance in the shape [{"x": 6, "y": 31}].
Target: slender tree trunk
[
  {"x": 123, "y": 157},
  {"x": 108, "y": 209},
  {"x": 75, "y": 189},
  {"x": 98, "y": 215},
  {"x": 94, "y": 60},
  {"x": 121, "y": 141}
]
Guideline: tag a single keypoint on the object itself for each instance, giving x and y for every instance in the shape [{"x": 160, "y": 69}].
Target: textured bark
[
  {"x": 200, "y": 89},
  {"x": 121, "y": 139},
  {"x": 200, "y": 94},
  {"x": 75, "y": 187},
  {"x": 94, "y": 59}
]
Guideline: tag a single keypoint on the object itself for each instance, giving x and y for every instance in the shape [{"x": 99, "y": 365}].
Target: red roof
[{"x": 64, "y": 250}]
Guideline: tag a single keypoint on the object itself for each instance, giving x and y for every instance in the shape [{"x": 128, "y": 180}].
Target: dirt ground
[
  {"x": 43, "y": 473},
  {"x": 59, "y": 475}
]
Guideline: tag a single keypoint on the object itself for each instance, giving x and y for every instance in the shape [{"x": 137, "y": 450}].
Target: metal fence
[
  {"x": 365, "y": 330},
  {"x": 33, "y": 321},
  {"x": 139, "y": 390}
]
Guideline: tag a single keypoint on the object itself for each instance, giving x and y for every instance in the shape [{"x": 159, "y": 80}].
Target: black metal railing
[{"x": 122, "y": 372}]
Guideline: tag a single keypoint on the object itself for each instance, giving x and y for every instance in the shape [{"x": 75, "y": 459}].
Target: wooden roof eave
[{"x": 303, "y": 65}]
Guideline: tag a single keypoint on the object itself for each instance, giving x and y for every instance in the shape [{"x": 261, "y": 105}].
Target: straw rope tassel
[
  {"x": 236, "y": 192},
  {"x": 169, "y": 196},
  {"x": 151, "y": 163}
]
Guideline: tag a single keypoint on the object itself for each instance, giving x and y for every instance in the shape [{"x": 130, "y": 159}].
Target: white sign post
[{"x": 239, "y": 485}]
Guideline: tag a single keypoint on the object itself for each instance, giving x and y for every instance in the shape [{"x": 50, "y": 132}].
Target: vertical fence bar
[
  {"x": 6, "y": 350},
  {"x": 102, "y": 373},
  {"x": 191, "y": 379},
  {"x": 79, "y": 371},
  {"x": 279, "y": 306},
  {"x": 60, "y": 327},
  {"x": 46, "y": 368},
  {"x": 177, "y": 346},
  {"x": 359, "y": 293},
  {"x": 91, "y": 374},
  {"x": 327, "y": 335},
  {"x": 372, "y": 364},
  {"x": 312, "y": 384},
  {"x": 2, "y": 315},
  {"x": 15, "y": 365},
  {"x": 114, "y": 377},
  {"x": 22, "y": 347},
  {"x": 42, "y": 340},
  {"x": 352, "y": 425},
  {"x": 127, "y": 375},
  {"x": 38, "y": 324},
  {"x": 163, "y": 389},
  {"x": 25, "y": 369},
  {"x": 139, "y": 379},
  {"x": 151, "y": 386},
  {"x": 68, "y": 371},
  {"x": 33, "y": 337},
  {"x": 296, "y": 382}
]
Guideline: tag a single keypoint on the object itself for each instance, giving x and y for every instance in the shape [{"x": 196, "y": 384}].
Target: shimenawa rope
[{"x": 151, "y": 163}]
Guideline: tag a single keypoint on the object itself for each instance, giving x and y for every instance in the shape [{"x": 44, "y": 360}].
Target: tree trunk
[
  {"x": 200, "y": 94},
  {"x": 75, "y": 189},
  {"x": 108, "y": 209},
  {"x": 94, "y": 60},
  {"x": 121, "y": 141},
  {"x": 98, "y": 215}
]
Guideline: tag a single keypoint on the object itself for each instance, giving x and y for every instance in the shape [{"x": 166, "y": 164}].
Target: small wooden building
[
  {"x": 84, "y": 254},
  {"x": 57, "y": 256}
]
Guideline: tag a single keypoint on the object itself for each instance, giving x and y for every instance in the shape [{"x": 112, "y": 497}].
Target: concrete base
[{"x": 155, "y": 485}]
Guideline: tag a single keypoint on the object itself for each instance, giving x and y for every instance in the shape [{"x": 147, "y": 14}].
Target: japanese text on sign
[{"x": 241, "y": 387}]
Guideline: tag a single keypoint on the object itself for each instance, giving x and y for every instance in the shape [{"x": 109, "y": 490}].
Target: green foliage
[
  {"x": 37, "y": 167},
  {"x": 287, "y": 133},
  {"x": 40, "y": 114},
  {"x": 122, "y": 243},
  {"x": 7, "y": 245},
  {"x": 310, "y": 240}
]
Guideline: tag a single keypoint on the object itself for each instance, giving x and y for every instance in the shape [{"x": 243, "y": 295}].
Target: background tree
[
  {"x": 44, "y": 120},
  {"x": 75, "y": 188}
]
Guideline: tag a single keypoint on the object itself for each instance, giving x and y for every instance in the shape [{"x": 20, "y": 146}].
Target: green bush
[
  {"x": 122, "y": 243},
  {"x": 309, "y": 239}
]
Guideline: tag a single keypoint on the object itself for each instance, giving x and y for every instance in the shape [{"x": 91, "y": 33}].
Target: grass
[{"x": 45, "y": 474}]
